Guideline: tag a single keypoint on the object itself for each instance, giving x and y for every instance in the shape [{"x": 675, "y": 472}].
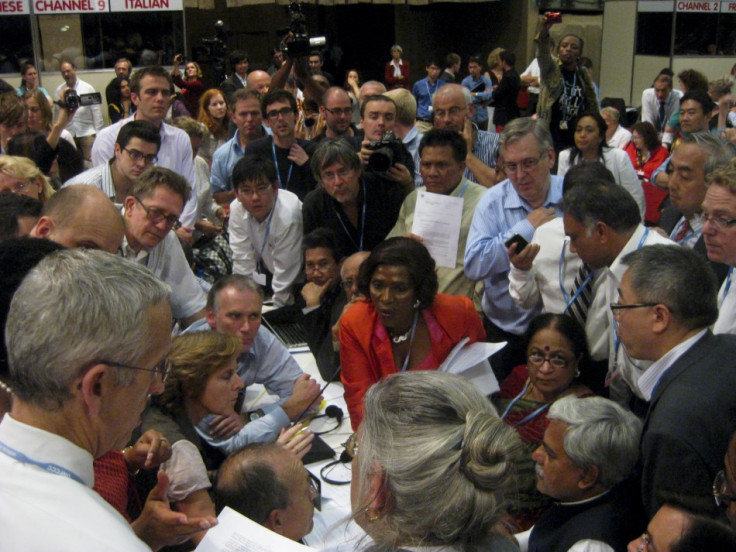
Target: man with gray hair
[
  {"x": 528, "y": 198},
  {"x": 584, "y": 462},
  {"x": 667, "y": 301},
  {"x": 80, "y": 385}
]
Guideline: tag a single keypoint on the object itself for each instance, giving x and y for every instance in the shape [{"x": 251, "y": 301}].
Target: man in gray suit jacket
[{"x": 667, "y": 301}]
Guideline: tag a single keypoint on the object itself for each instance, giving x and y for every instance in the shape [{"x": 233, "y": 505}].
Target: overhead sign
[
  {"x": 43, "y": 7},
  {"x": 146, "y": 5},
  {"x": 14, "y": 7}
]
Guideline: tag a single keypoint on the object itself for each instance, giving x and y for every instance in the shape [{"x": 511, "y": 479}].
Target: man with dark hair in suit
[{"x": 667, "y": 301}]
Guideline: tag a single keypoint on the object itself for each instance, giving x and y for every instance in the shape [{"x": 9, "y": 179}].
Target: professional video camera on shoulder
[{"x": 300, "y": 43}]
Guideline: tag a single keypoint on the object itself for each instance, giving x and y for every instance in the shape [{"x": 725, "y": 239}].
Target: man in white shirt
[
  {"x": 150, "y": 90},
  {"x": 659, "y": 103},
  {"x": 87, "y": 120},
  {"x": 150, "y": 213},
  {"x": 667, "y": 300},
  {"x": 265, "y": 228},
  {"x": 73, "y": 404}
]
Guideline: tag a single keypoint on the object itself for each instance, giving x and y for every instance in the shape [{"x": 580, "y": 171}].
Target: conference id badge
[
  {"x": 563, "y": 125},
  {"x": 259, "y": 278}
]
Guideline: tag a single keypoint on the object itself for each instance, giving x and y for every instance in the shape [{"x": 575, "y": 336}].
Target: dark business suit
[
  {"x": 691, "y": 417},
  {"x": 230, "y": 85},
  {"x": 668, "y": 221}
]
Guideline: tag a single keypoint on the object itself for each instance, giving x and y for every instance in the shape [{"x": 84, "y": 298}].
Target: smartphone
[{"x": 519, "y": 240}]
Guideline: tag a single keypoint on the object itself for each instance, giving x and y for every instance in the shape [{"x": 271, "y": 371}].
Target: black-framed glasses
[
  {"x": 156, "y": 216},
  {"x": 162, "y": 368},
  {"x": 284, "y": 112},
  {"x": 260, "y": 190},
  {"x": 135, "y": 155},
  {"x": 526, "y": 165},
  {"x": 616, "y": 307},
  {"x": 315, "y": 490},
  {"x": 719, "y": 223},
  {"x": 720, "y": 490},
  {"x": 340, "y": 111},
  {"x": 536, "y": 359}
]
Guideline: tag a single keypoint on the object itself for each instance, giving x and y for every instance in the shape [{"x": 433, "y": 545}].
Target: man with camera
[{"x": 87, "y": 120}]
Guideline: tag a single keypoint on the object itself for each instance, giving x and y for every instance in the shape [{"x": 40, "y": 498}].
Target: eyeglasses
[
  {"x": 719, "y": 223},
  {"x": 527, "y": 165},
  {"x": 284, "y": 112},
  {"x": 156, "y": 216},
  {"x": 260, "y": 190},
  {"x": 452, "y": 112},
  {"x": 20, "y": 187},
  {"x": 315, "y": 490},
  {"x": 342, "y": 174},
  {"x": 616, "y": 307},
  {"x": 720, "y": 491},
  {"x": 338, "y": 111},
  {"x": 556, "y": 361},
  {"x": 348, "y": 284},
  {"x": 646, "y": 542},
  {"x": 162, "y": 368},
  {"x": 351, "y": 446},
  {"x": 135, "y": 155}
]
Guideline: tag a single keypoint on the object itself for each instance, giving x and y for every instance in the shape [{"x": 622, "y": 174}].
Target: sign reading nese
[
  {"x": 14, "y": 7},
  {"x": 42, "y": 7},
  {"x": 146, "y": 5}
]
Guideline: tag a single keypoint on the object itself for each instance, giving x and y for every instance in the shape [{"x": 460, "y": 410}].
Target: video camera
[
  {"x": 385, "y": 151},
  {"x": 301, "y": 44},
  {"x": 72, "y": 100}
]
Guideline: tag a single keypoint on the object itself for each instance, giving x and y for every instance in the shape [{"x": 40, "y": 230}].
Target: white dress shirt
[
  {"x": 87, "y": 120},
  {"x": 726, "y": 323},
  {"x": 620, "y": 138}
]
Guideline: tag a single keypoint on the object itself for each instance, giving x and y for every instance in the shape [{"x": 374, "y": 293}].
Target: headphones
[{"x": 332, "y": 411}]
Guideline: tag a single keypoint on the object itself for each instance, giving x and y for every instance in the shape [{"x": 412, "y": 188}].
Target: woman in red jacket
[
  {"x": 646, "y": 154},
  {"x": 397, "y": 70},
  {"x": 403, "y": 324}
]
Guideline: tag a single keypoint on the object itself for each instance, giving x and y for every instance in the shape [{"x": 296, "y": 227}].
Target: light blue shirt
[
  {"x": 223, "y": 162},
  {"x": 411, "y": 141},
  {"x": 481, "y": 113},
  {"x": 267, "y": 362},
  {"x": 424, "y": 91},
  {"x": 500, "y": 214}
]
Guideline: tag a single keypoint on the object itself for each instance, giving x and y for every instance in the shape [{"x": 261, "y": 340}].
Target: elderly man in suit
[{"x": 667, "y": 301}]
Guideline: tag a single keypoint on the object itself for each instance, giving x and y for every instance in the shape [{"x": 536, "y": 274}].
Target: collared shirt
[
  {"x": 620, "y": 138},
  {"x": 726, "y": 322},
  {"x": 481, "y": 97},
  {"x": 423, "y": 91},
  {"x": 100, "y": 177},
  {"x": 532, "y": 70},
  {"x": 650, "y": 378},
  {"x": 269, "y": 363},
  {"x": 87, "y": 120},
  {"x": 175, "y": 154},
  {"x": 223, "y": 162},
  {"x": 282, "y": 251},
  {"x": 692, "y": 237},
  {"x": 485, "y": 148},
  {"x": 500, "y": 214},
  {"x": 41, "y": 510},
  {"x": 650, "y": 107},
  {"x": 411, "y": 141}
]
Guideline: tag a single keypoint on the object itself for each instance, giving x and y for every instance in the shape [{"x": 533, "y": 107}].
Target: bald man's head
[
  {"x": 349, "y": 272},
  {"x": 81, "y": 216},
  {"x": 260, "y": 81}
]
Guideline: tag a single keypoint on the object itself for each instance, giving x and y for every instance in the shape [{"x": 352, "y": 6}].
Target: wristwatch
[{"x": 253, "y": 415}]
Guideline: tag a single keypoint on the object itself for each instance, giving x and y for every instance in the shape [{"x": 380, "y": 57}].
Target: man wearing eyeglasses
[
  {"x": 719, "y": 234},
  {"x": 289, "y": 153},
  {"x": 666, "y": 302},
  {"x": 150, "y": 213},
  {"x": 265, "y": 229},
  {"x": 136, "y": 149},
  {"x": 337, "y": 111}
]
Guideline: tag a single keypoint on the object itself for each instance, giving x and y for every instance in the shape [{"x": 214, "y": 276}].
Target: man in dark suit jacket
[
  {"x": 667, "y": 301},
  {"x": 699, "y": 154},
  {"x": 504, "y": 97},
  {"x": 236, "y": 81}
]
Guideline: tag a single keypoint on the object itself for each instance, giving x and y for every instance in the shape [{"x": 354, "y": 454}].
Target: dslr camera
[
  {"x": 385, "y": 151},
  {"x": 72, "y": 100},
  {"x": 301, "y": 44}
]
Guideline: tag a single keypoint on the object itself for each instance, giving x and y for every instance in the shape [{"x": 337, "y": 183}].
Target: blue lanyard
[
  {"x": 362, "y": 223},
  {"x": 687, "y": 237},
  {"x": 616, "y": 340},
  {"x": 411, "y": 341},
  {"x": 569, "y": 302},
  {"x": 268, "y": 229},
  {"x": 47, "y": 466},
  {"x": 462, "y": 190},
  {"x": 429, "y": 91},
  {"x": 727, "y": 287},
  {"x": 278, "y": 172},
  {"x": 529, "y": 416}
]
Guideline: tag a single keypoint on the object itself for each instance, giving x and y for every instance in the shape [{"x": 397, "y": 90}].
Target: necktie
[
  {"x": 582, "y": 287},
  {"x": 661, "y": 121},
  {"x": 684, "y": 230}
]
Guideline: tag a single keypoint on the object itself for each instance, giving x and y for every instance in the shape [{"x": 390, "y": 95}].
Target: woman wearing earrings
[{"x": 403, "y": 324}]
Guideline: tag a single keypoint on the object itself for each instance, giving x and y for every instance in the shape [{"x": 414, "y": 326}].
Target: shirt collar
[{"x": 617, "y": 266}]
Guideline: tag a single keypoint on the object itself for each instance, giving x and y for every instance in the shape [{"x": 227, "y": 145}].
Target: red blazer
[
  {"x": 397, "y": 82},
  {"x": 366, "y": 358},
  {"x": 653, "y": 195}
]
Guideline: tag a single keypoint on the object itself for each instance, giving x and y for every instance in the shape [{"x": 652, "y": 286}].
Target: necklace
[{"x": 401, "y": 338}]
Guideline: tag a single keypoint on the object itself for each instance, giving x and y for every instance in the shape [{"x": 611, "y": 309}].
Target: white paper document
[
  {"x": 237, "y": 533},
  {"x": 437, "y": 220},
  {"x": 471, "y": 362}
]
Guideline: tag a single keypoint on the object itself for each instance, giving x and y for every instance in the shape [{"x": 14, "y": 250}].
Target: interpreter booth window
[
  {"x": 705, "y": 34},
  {"x": 653, "y": 33},
  {"x": 95, "y": 41},
  {"x": 16, "y": 46}
]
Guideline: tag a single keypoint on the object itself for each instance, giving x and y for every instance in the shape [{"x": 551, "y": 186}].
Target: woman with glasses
[
  {"x": 201, "y": 380},
  {"x": 434, "y": 467},
  {"x": 556, "y": 351},
  {"x": 20, "y": 175},
  {"x": 403, "y": 324}
]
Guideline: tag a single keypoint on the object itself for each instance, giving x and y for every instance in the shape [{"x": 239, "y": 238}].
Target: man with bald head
[
  {"x": 453, "y": 110},
  {"x": 260, "y": 81},
  {"x": 337, "y": 112},
  {"x": 370, "y": 88},
  {"x": 81, "y": 216}
]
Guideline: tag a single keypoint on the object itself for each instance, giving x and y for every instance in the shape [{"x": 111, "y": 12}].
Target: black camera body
[
  {"x": 301, "y": 44},
  {"x": 72, "y": 100},
  {"x": 385, "y": 151}
]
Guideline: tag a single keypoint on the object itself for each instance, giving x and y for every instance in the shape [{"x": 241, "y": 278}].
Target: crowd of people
[{"x": 138, "y": 256}]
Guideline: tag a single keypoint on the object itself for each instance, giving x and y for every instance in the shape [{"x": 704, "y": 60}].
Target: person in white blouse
[
  {"x": 616, "y": 135},
  {"x": 590, "y": 145},
  {"x": 266, "y": 228}
]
